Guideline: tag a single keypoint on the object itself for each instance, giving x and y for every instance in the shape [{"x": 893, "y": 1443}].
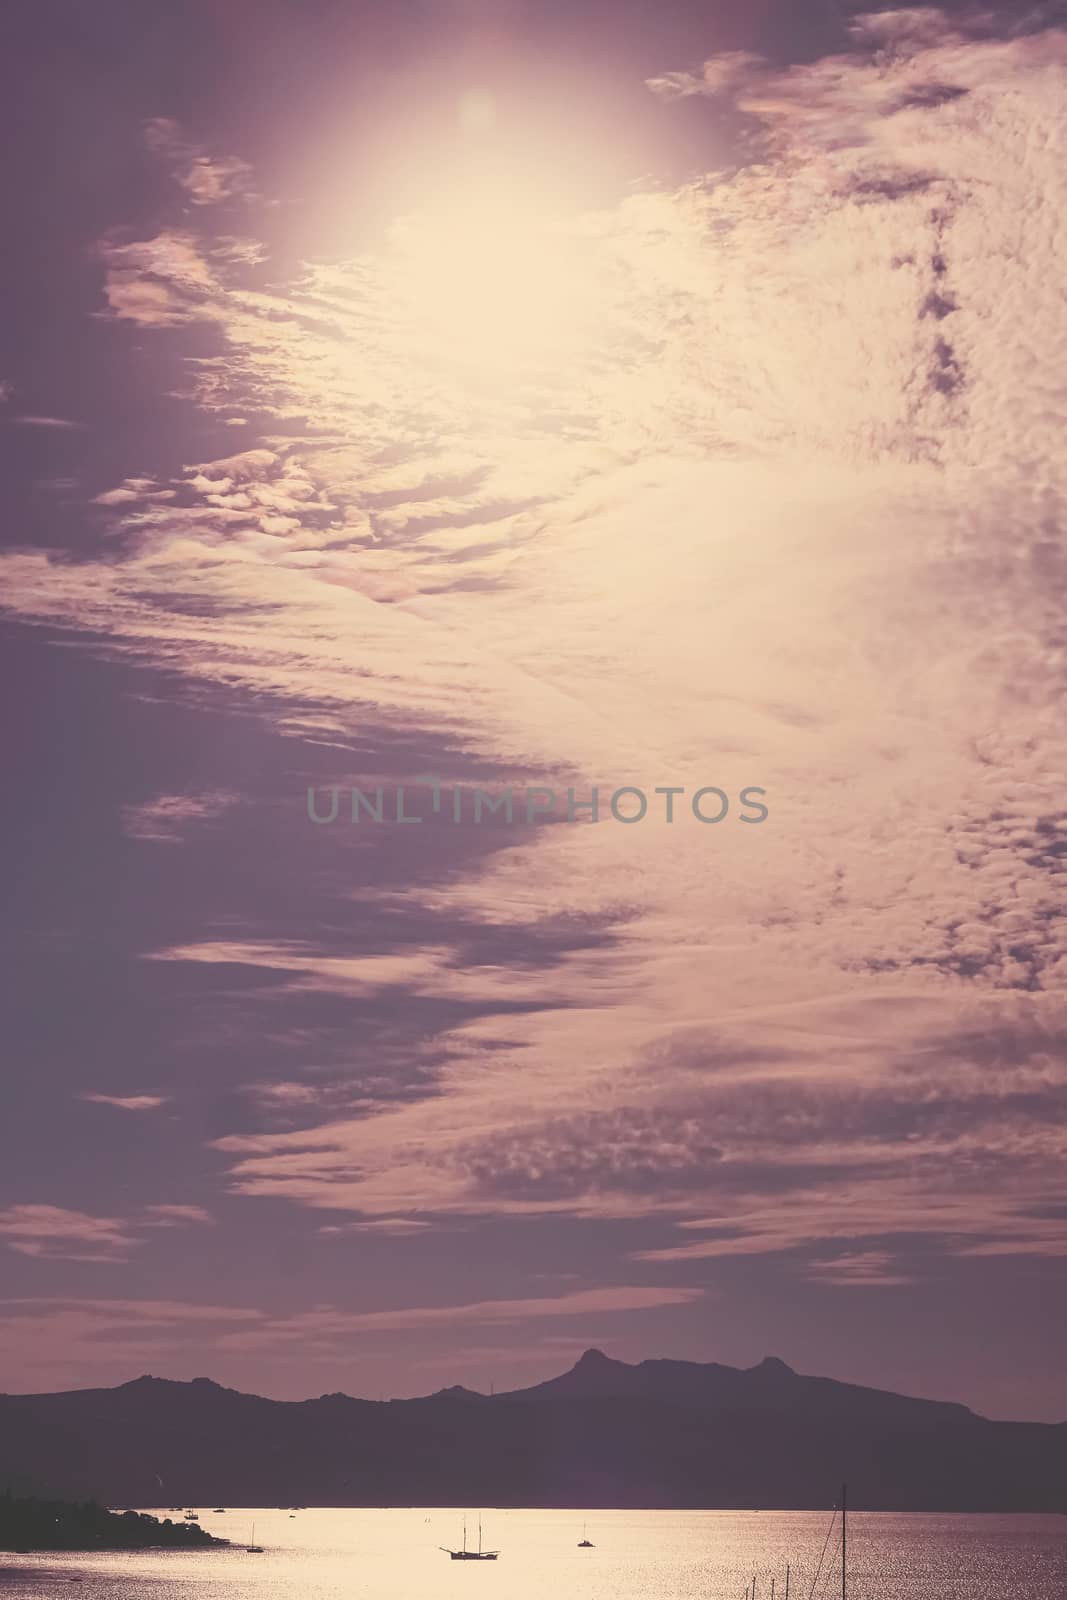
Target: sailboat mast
[
  {"x": 479, "y": 1533},
  {"x": 844, "y": 1536},
  {"x": 787, "y": 1583}
]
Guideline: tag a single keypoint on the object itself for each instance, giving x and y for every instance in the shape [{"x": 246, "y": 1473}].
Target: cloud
[
  {"x": 129, "y": 1102},
  {"x": 902, "y": 61},
  {"x": 53, "y": 1338},
  {"x": 168, "y": 818},
  {"x": 63, "y": 1341},
  {"x": 864, "y": 1268},
  {"x": 790, "y": 514},
  {"x": 719, "y": 75},
  {"x": 207, "y": 180},
  {"x": 328, "y": 1324},
  {"x": 63, "y": 424},
  {"x": 396, "y": 1227},
  {"x": 160, "y": 282},
  {"x": 169, "y": 1216},
  {"x": 117, "y": 1312},
  {"x": 44, "y": 1230},
  {"x": 56, "y": 1233}
]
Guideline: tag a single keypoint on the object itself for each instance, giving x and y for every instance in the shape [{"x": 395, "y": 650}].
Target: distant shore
[{"x": 29, "y": 1525}]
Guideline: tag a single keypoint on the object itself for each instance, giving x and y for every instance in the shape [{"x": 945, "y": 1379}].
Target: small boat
[
  {"x": 584, "y": 1543},
  {"x": 471, "y": 1555},
  {"x": 192, "y": 1516},
  {"x": 253, "y": 1549},
  {"x": 220, "y": 1511}
]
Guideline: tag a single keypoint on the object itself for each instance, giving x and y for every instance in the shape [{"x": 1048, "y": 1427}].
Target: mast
[
  {"x": 787, "y": 1583},
  {"x": 479, "y": 1533},
  {"x": 464, "y": 1533},
  {"x": 844, "y": 1536}
]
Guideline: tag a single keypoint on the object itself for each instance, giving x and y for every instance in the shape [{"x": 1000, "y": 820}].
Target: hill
[
  {"x": 30, "y": 1524},
  {"x": 606, "y": 1433}
]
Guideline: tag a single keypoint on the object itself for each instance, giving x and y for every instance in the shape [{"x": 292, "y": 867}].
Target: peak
[
  {"x": 771, "y": 1364},
  {"x": 147, "y": 1382},
  {"x": 594, "y": 1358}
]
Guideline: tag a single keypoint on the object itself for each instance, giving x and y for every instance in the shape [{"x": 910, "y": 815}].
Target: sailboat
[
  {"x": 819, "y": 1569},
  {"x": 471, "y": 1555},
  {"x": 254, "y": 1549},
  {"x": 751, "y": 1589},
  {"x": 584, "y": 1543}
]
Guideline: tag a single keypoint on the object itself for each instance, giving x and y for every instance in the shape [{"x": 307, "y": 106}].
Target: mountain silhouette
[
  {"x": 606, "y": 1433},
  {"x": 769, "y": 1386}
]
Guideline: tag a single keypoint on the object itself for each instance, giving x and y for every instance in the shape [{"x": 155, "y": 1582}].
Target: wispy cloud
[
  {"x": 128, "y": 1102},
  {"x": 861, "y": 1268},
  {"x": 110, "y": 1335},
  {"x": 171, "y": 1216},
  {"x": 327, "y": 1324},
  {"x": 792, "y": 515},
  {"x": 167, "y": 818},
  {"x": 207, "y": 180},
  {"x": 43, "y": 1230},
  {"x": 57, "y": 1233},
  {"x": 58, "y": 1341},
  {"x": 60, "y": 423}
]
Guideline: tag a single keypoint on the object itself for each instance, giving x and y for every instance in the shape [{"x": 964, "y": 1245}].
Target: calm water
[{"x": 651, "y": 1555}]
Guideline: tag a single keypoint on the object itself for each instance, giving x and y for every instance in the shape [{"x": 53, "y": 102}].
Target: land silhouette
[
  {"x": 27, "y": 1523},
  {"x": 658, "y": 1434}
]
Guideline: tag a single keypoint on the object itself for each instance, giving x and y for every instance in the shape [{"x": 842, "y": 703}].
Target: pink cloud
[{"x": 129, "y": 1102}]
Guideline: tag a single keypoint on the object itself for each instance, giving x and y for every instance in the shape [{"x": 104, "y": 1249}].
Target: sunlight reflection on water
[{"x": 643, "y": 1555}]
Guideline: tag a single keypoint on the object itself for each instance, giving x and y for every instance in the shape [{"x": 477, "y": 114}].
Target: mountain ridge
[
  {"x": 658, "y": 1433},
  {"x": 591, "y": 1361}
]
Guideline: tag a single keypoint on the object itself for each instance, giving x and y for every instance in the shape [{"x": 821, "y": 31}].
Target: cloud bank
[{"x": 790, "y": 513}]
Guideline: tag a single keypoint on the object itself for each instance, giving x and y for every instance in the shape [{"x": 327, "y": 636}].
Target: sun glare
[{"x": 494, "y": 278}]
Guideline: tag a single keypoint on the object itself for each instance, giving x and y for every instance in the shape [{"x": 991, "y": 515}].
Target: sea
[{"x": 396, "y": 1554}]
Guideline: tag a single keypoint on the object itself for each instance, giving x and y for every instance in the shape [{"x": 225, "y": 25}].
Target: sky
[{"x": 532, "y": 399}]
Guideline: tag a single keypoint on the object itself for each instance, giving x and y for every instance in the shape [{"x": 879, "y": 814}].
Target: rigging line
[
  {"x": 826, "y": 1541},
  {"x": 829, "y": 1574}
]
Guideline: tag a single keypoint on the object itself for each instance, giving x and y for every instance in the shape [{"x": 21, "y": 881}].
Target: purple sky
[{"x": 533, "y": 394}]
